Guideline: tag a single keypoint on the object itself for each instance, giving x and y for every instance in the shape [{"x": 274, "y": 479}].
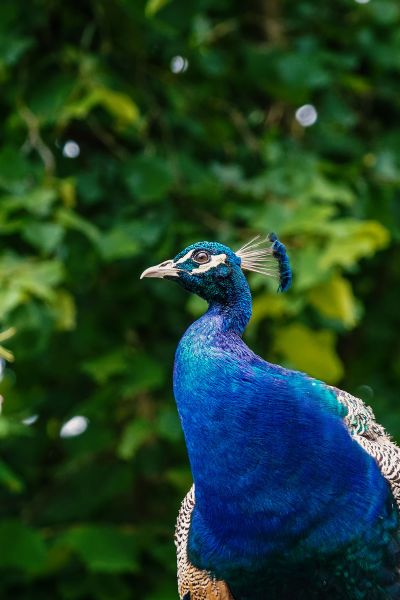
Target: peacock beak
[{"x": 164, "y": 269}]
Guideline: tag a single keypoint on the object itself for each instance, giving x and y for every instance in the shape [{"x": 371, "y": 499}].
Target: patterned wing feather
[
  {"x": 362, "y": 425},
  {"x": 194, "y": 584}
]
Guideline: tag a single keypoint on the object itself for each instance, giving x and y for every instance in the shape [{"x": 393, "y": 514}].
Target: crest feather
[{"x": 267, "y": 256}]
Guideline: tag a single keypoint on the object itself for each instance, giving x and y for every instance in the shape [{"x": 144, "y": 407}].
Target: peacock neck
[{"x": 231, "y": 312}]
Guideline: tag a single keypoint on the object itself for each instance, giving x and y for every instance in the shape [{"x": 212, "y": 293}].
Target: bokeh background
[{"x": 128, "y": 130}]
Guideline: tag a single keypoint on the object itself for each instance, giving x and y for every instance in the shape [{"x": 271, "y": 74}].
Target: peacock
[{"x": 296, "y": 488}]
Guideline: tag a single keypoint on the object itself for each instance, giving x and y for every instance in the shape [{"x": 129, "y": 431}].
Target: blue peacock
[{"x": 296, "y": 486}]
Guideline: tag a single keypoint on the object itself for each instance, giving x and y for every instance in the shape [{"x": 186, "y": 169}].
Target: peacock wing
[
  {"x": 194, "y": 584},
  {"x": 361, "y": 422}
]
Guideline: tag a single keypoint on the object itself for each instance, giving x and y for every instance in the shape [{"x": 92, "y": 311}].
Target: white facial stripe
[
  {"x": 186, "y": 257},
  {"x": 216, "y": 259}
]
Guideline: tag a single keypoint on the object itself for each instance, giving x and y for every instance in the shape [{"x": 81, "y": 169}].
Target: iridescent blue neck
[{"x": 233, "y": 311}]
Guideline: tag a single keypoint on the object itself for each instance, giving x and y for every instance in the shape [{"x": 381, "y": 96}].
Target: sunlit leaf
[
  {"x": 9, "y": 427},
  {"x": 154, "y": 6},
  {"x": 20, "y": 280},
  {"x": 310, "y": 351},
  {"x": 67, "y": 191},
  {"x": 10, "y": 299},
  {"x": 64, "y": 309},
  {"x": 273, "y": 305},
  {"x": 352, "y": 240},
  {"x": 322, "y": 189},
  {"x": 308, "y": 219},
  {"x": 38, "y": 202},
  {"x": 307, "y": 268},
  {"x": 118, "y": 104},
  {"x": 335, "y": 300}
]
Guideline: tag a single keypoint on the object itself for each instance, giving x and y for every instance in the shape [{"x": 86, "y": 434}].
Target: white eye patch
[
  {"x": 215, "y": 260},
  {"x": 185, "y": 258}
]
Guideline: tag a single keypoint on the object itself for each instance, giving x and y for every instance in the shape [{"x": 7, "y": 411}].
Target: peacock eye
[{"x": 201, "y": 257}]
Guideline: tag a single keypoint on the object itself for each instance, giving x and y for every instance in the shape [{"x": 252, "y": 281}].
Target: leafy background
[{"x": 183, "y": 114}]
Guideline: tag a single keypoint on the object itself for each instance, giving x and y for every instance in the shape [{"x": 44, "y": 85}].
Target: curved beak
[{"x": 162, "y": 270}]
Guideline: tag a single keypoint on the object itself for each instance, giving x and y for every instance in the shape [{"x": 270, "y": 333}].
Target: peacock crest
[{"x": 267, "y": 256}]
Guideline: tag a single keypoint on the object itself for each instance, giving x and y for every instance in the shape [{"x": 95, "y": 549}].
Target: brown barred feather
[
  {"x": 200, "y": 584},
  {"x": 360, "y": 421},
  {"x": 362, "y": 425}
]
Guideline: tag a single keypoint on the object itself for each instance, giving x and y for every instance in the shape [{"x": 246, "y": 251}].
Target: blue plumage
[
  {"x": 285, "y": 272},
  {"x": 288, "y": 504}
]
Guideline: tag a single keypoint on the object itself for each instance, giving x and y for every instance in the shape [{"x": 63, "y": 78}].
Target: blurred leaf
[
  {"x": 9, "y": 479},
  {"x": 180, "y": 478},
  {"x": 4, "y": 353},
  {"x": 45, "y": 236},
  {"x": 47, "y": 100},
  {"x": 135, "y": 434},
  {"x": 353, "y": 240},
  {"x": 65, "y": 311},
  {"x": 119, "y": 243},
  {"x": 12, "y": 48},
  {"x": 310, "y": 351},
  {"x": 107, "y": 365},
  {"x": 149, "y": 177},
  {"x": 196, "y": 305},
  {"x": 72, "y": 220},
  {"x": 273, "y": 305},
  {"x": 22, "y": 547},
  {"x": 307, "y": 268},
  {"x": 118, "y": 104},
  {"x": 15, "y": 171},
  {"x": 20, "y": 280},
  {"x": 67, "y": 191},
  {"x": 10, "y": 427},
  {"x": 154, "y": 6},
  {"x": 163, "y": 592},
  {"x": 168, "y": 425},
  {"x": 308, "y": 219},
  {"x": 104, "y": 549},
  {"x": 324, "y": 190},
  {"x": 335, "y": 300},
  {"x": 146, "y": 374},
  {"x": 38, "y": 202}
]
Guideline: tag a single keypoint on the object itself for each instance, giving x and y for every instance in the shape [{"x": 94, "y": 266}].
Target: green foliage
[
  {"x": 102, "y": 548},
  {"x": 23, "y": 548},
  {"x": 184, "y": 116}
]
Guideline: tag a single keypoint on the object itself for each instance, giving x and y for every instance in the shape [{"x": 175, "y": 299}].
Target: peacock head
[{"x": 214, "y": 271}]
